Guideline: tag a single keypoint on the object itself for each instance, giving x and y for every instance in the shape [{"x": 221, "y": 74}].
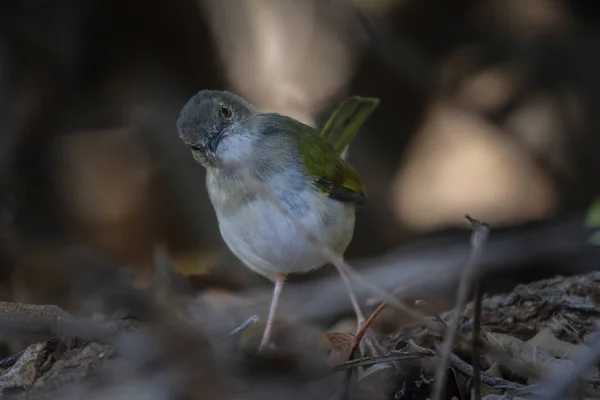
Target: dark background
[{"x": 488, "y": 107}]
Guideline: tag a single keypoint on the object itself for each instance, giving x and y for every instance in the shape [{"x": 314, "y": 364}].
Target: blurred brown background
[{"x": 489, "y": 107}]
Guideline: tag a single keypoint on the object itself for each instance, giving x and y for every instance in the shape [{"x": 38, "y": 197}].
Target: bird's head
[{"x": 217, "y": 125}]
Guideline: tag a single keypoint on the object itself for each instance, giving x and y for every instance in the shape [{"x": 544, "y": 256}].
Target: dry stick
[
  {"x": 478, "y": 238},
  {"x": 586, "y": 359},
  {"x": 467, "y": 370},
  {"x": 497, "y": 354},
  {"x": 392, "y": 356},
  {"x": 250, "y": 321},
  {"x": 476, "y": 341},
  {"x": 464, "y": 368},
  {"x": 336, "y": 259}
]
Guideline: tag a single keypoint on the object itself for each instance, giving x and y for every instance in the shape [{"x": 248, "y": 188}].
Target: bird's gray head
[{"x": 216, "y": 124}]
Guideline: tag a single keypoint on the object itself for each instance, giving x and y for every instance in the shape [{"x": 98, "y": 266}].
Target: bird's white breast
[{"x": 266, "y": 240}]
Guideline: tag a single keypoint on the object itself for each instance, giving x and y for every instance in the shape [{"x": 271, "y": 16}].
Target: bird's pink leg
[{"x": 280, "y": 278}]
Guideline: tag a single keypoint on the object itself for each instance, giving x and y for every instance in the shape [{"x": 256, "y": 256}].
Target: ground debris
[{"x": 533, "y": 333}]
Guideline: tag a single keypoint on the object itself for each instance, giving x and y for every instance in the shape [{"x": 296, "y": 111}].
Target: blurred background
[{"x": 488, "y": 107}]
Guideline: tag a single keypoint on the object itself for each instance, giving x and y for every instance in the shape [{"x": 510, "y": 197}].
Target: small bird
[{"x": 298, "y": 166}]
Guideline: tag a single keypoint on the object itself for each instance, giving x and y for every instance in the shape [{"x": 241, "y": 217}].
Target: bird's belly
[{"x": 268, "y": 242}]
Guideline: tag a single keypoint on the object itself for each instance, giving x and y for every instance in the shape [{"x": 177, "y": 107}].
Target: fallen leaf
[
  {"x": 26, "y": 369},
  {"x": 546, "y": 341},
  {"x": 341, "y": 343},
  {"x": 539, "y": 361}
]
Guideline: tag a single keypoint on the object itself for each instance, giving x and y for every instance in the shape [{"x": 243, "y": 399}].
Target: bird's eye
[
  {"x": 226, "y": 112},
  {"x": 195, "y": 147}
]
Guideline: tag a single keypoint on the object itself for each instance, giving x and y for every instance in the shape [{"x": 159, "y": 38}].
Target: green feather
[
  {"x": 322, "y": 162},
  {"x": 346, "y": 120},
  {"x": 331, "y": 173}
]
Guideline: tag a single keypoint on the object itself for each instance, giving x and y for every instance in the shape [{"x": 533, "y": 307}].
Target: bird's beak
[{"x": 213, "y": 142}]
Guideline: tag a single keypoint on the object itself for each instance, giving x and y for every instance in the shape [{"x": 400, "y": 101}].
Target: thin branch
[
  {"x": 478, "y": 238},
  {"x": 478, "y": 294},
  {"x": 250, "y": 321},
  {"x": 467, "y": 370},
  {"x": 392, "y": 356}
]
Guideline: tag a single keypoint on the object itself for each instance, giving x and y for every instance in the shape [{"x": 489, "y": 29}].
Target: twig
[
  {"x": 478, "y": 295},
  {"x": 250, "y": 321},
  {"x": 467, "y": 370},
  {"x": 392, "y": 356},
  {"x": 464, "y": 368},
  {"x": 478, "y": 238}
]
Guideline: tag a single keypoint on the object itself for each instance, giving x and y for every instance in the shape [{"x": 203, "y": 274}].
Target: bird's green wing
[
  {"x": 330, "y": 172},
  {"x": 346, "y": 120}
]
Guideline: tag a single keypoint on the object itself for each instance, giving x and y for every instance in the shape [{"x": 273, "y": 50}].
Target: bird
[{"x": 300, "y": 169}]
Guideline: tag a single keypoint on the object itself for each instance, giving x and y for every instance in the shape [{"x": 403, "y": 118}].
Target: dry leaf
[
  {"x": 542, "y": 362},
  {"x": 341, "y": 343},
  {"x": 545, "y": 340},
  {"x": 23, "y": 374}
]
